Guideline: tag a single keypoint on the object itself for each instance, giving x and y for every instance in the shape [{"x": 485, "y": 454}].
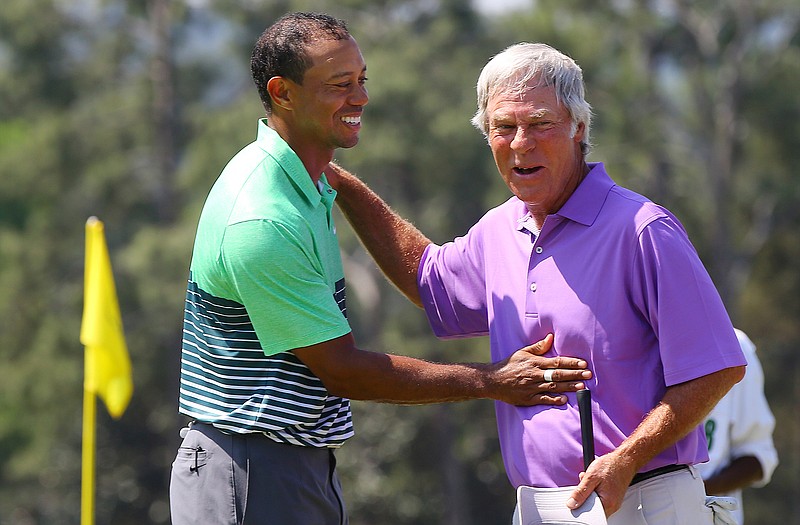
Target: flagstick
[
  {"x": 107, "y": 367},
  {"x": 87, "y": 462}
]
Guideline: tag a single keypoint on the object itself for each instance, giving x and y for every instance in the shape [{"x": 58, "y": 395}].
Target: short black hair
[{"x": 281, "y": 50}]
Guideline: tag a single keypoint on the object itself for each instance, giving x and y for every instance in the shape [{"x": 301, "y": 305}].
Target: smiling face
[
  {"x": 536, "y": 153},
  {"x": 324, "y": 112}
]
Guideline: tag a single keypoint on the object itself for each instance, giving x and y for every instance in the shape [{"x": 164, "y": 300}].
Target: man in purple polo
[{"x": 612, "y": 275}]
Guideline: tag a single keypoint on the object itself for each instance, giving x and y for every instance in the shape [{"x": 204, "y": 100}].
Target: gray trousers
[{"x": 227, "y": 479}]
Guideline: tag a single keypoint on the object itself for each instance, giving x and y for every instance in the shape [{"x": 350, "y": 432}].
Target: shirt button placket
[{"x": 538, "y": 251}]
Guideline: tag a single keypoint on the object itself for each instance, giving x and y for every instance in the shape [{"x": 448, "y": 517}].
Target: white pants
[{"x": 676, "y": 498}]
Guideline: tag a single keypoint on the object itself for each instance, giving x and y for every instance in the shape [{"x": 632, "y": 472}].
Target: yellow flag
[{"x": 108, "y": 367}]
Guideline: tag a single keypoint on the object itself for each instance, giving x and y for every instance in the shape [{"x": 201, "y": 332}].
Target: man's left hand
[{"x": 609, "y": 476}]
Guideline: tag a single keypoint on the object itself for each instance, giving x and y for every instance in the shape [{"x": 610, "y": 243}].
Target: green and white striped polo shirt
[{"x": 266, "y": 277}]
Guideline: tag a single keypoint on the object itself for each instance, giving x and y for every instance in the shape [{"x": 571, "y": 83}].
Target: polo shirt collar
[
  {"x": 587, "y": 200},
  {"x": 277, "y": 148},
  {"x": 584, "y": 204}
]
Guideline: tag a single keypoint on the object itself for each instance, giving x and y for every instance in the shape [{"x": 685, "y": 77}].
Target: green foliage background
[{"x": 128, "y": 110}]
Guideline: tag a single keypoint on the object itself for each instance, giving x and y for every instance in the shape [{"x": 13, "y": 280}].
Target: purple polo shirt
[{"x": 614, "y": 277}]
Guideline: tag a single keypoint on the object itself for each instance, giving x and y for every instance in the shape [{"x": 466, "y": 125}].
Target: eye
[
  {"x": 347, "y": 84},
  {"x": 503, "y": 126},
  {"x": 543, "y": 124}
]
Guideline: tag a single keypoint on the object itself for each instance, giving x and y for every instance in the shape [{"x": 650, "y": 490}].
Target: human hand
[
  {"x": 526, "y": 378},
  {"x": 609, "y": 476}
]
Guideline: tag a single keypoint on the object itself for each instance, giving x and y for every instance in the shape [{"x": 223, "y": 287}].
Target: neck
[
  {"x": 540, "y": 213},
  {"x": 314, "y": 158}
]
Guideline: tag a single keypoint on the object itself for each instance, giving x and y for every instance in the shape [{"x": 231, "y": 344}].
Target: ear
[
  {"x": 279, "y": 91},
  {"x": 579, "y": 131}
]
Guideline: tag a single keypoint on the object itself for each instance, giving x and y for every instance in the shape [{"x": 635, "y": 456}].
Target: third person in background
[{"x": 739, "y": 434}]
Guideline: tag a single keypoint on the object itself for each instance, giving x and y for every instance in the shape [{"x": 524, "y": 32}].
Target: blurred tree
[
  {"x": 129, "y": 110},
  {"x": 78, "y": 140}
]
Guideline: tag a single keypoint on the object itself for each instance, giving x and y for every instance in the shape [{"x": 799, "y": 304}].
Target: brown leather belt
[{"x": 643, "y": 476}]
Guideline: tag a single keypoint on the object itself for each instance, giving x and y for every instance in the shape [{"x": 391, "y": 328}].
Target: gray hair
[{"x": 518, "y": 64}]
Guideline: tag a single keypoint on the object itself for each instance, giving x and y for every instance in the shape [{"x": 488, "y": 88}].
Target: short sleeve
[
  {"x": 677, "y": 297},
  {"x": 282, "y": 283},
  {"x": 453, "y": 288}
]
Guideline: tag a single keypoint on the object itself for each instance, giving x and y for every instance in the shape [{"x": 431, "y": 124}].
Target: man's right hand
[{"x": 526, "y": 378}]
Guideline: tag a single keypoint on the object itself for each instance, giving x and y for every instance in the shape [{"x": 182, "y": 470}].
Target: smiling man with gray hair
[{"x": 611, "y": 274}]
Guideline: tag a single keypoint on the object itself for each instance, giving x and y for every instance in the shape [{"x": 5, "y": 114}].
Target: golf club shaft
[{"x": 587, "y": 433}]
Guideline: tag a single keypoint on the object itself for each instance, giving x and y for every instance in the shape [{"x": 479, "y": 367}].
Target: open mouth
[
  {"x": 352, "y": 121},
  {"x": 519, "y": 170}
]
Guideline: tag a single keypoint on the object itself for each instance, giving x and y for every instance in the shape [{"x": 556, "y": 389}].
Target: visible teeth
[{"x": 351, "y": 120}]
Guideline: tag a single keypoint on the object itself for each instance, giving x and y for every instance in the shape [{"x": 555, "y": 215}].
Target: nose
[
  {"x": 523, "y": 139},
  {"x": 359, "y": 96}
]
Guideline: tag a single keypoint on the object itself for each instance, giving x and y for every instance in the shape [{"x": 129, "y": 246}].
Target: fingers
[
  {"x": 545, "y": 345},
  {"x": 544, "y": 393},
  {"x": 551, "y": 397},
  {"x": 554, "y": 375},
  {"x": 543, "y": 378},
  {"x": 547, "y": 399},
  {"x": 541, "y": 347},
  {"x": 566, "y": 386},
  {"x": 580, "y": 494},
  {"x": 565, "y": 362}
]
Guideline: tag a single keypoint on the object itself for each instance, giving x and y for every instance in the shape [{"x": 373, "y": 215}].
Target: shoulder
[
  {"x": 508, "y": 213},
  {"x": 600, "y": 202},
  {"x": 637, "y": 217},
  {"x": 262, "y": 240},
  {"x": 627, "y": 205}
]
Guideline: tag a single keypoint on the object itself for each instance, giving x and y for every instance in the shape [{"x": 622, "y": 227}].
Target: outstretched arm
[
  {"x": 349, "y": 372},
  {"x": 394, "y": 243}
]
